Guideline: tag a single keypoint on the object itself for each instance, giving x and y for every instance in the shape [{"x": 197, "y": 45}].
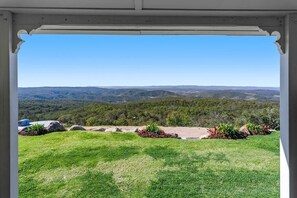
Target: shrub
[
  {"x": 255, "y": 129},
  {"x": 121, "y": 122},
  {"x": 178, "y": 119},
  {"x": 225, "y": 131},
  {"x": 268, "y": 117},
  {"x": 153, "y": 128},
  {"x": 35, "y": 129},
  {"x": 92, "y": 121},
  {"x": 153, "y": 131}
]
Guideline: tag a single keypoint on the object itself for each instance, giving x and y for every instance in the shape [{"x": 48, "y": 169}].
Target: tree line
[{"x": 202, "y": 112}]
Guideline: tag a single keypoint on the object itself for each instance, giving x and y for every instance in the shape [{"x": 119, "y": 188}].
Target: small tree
[
  {"x": 92, "y": 121},
  {"x": 178, "y": 119}
]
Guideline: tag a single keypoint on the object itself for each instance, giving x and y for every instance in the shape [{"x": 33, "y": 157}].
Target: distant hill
[
  {"x": 92, "y": 94},
  {"x": 229, "y": 92},
  {"x": 193, "y": 87},
  {"x": 260, "y": 94},
  {"x": 126, "y": 94}
]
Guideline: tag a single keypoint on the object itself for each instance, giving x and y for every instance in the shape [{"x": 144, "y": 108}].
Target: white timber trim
[
  {"x": 177, "y": 25},
  {"x": 8, "y": 110},
  {"x": 288, "y": 109}
]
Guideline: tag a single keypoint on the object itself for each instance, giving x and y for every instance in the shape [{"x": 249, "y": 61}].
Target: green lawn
[{"x": 89, "y": 164}]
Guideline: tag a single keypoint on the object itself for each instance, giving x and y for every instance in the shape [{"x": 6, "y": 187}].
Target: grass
[{"x": 89, "y": 164}]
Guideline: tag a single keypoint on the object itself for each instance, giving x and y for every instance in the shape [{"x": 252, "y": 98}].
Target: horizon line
[{"x": 151, "y": 86}]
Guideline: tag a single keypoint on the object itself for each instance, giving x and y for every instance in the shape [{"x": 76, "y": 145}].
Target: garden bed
[
  {"x": 161, "y": 134},
  {"x": 34, "y": 130},
  {"x": 217, "y": 134},
  {"x": 33, "y": 133}
]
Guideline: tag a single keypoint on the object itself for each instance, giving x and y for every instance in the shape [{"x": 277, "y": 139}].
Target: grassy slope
[{"x": 86, "y": 164}]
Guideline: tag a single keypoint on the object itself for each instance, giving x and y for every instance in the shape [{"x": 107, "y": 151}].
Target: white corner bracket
[
  {"x": 17, "y": 31},
  {"x": 279, "y": 32}
]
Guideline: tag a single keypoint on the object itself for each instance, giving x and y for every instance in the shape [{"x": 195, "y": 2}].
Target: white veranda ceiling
[
  {"x": 145, "y": 6},
  {"x": 70, "y": 19}
]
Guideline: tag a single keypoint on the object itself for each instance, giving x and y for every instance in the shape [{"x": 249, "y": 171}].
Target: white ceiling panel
[
  {"x": 221, "y": 4},
  {"x": 152, "y": 7},
  {"x": 85, "y": 4}
]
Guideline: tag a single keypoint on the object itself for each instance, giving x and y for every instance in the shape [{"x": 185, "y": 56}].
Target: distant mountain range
[
  {"x": 125, "y": 94},
  {"x": 192, "y": 87}
]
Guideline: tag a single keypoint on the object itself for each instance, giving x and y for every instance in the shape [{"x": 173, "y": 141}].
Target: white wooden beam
[
  {"x": 93, "y": 24},
  {"x": 31, "y": 19},
  {"x": 288, "y": 110},
  {"x": 8, "y": 111}
]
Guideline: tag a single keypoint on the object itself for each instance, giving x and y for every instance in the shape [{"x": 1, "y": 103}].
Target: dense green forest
[
  {"x": 203, "y": 112},
  {"x": 47, "y": 109}
]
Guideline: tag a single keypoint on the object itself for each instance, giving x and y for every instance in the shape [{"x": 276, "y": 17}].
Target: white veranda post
[
  {"x": 8, "y": 111},
  {"x": 288, "y": 107}
]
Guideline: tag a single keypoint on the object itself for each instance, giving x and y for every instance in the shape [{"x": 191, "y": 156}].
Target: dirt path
[{"x": 183, "y": 132}]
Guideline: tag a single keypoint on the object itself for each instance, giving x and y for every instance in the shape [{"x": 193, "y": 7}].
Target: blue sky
[{"x": 98, "y": 60}]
